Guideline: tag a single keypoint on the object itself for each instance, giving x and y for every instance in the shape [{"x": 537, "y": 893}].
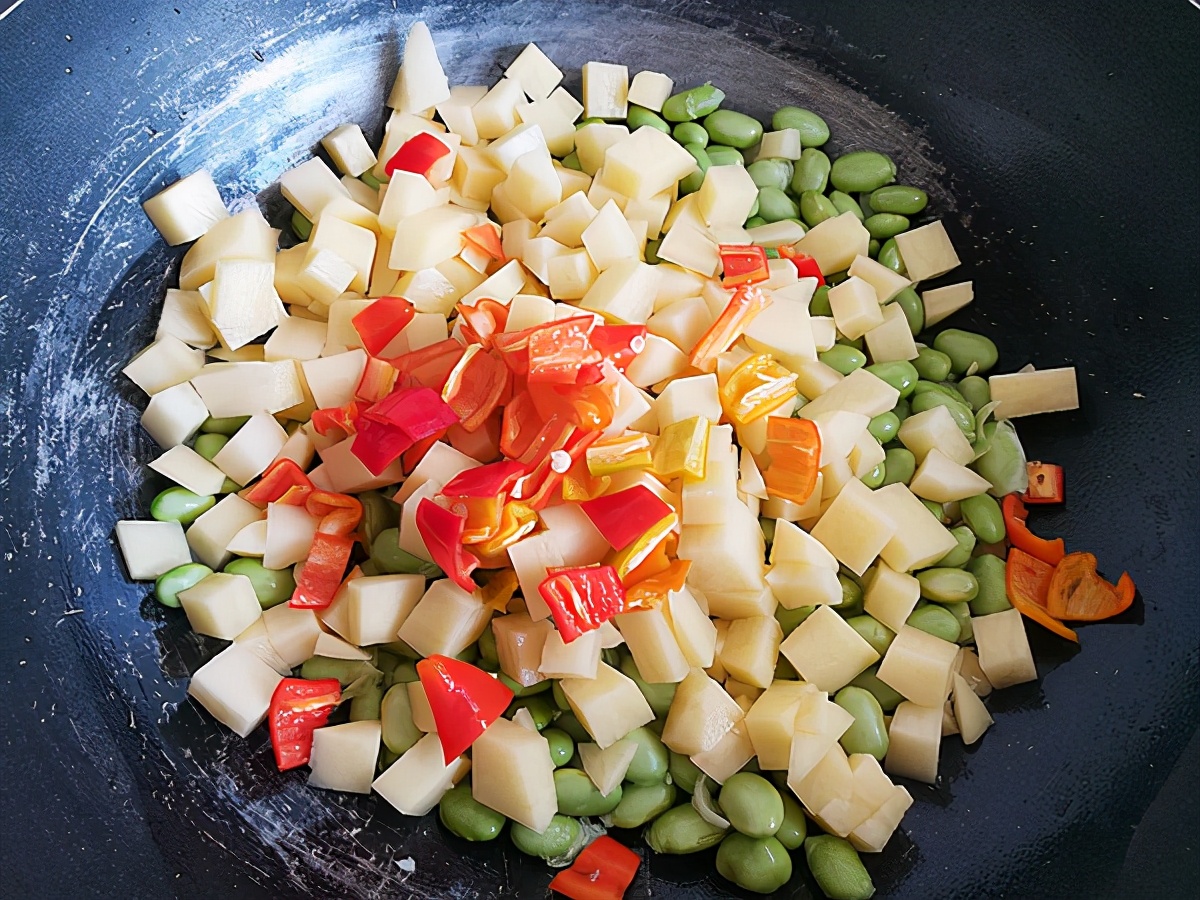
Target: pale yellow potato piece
[
  {"x": 935, "y": 429},
  {"x": 890, "y": 596},
  {"x": 942, "y": 480},
  {"x": 751, "y": 650},
  {"x": 609, "y": 706},
  {"x": 221, "y": 605},
  {"x": 185, "y": 210},
  {"x": 836, "y": 242},
  {"x": 927, "y": 251},
  {"x": 919, "y": 540},
  {"x": 802, "y": 584},
  {"x": 940, "y": 303},
  {"x": 624, "y": 292},
  {"x": 728, "y": 756},
  {"x": 519, "y": 644},
  {"x": 726, "y": 196},
  {"x": 650, "y": 639},
  {"x": 701, "y": 714},
  {"x": 1030, "y": 393},
  {"x": 445, "y": 620},
  {"x": 607, "y": 767},
  {"x": 513, "y": 774},
  {"x": 914, "y": 742},
  {"x": 1003, "y": 647},
  {"x": 650, "y": 89},
  {"x": 860, "y": 391},
  {"x": 771, "y": 722},
  {"x": 826, "y": 651},
  {"x": 645, "y": 163},
  {"x": 694, "y": 631},
  {"x": 918, "y": 666},
  {"x": 872, "y": 835},
  {"x": 235, "y": 686},
  {"x": 855, "y": 307},
  {"x": 415, "y": 782},
  {"x": 592, "y": 143},
  {"x": 856, "y": 527},
  {"x": 969, "y": 712},
  {"x": 164, "y": 364},
  {"x": 892, "y": 340},
  {"x": 605, "y": 90}
]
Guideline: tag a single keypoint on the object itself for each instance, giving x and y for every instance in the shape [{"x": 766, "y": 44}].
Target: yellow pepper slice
[
  {"x": 682, "y": 449},
  {"x": 631, "y": 450},
  {"x": 756, "y": 387}
]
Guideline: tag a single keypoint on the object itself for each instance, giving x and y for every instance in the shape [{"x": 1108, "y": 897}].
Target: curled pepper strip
[
  {"x": 794, "y": 446},
  {"x": 743, "y": 264},
  {"x": 603, "y": 871},
  {"x": 282, "y": 475},
  {"x": 746, "y": 303},
  {"x": 1027, "y": 584},
  {"x": 298, "y": 708},
  {"x": 1022, "y": 538},
  {"x": 582, "y": 599},
  {"x": 1076, "y": 593},
  {"x": 442, "y": 531}
]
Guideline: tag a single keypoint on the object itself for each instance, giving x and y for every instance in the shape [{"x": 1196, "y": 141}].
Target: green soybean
[
  {"x": 794, "y": 827},
  {"x": 875, "y": 477},
  {"x": 813, "y": 130},
  {"x": 562, "y": 748},
  {"x": 790, "y": 619},
  {"x": 913, "y": 307},
  {"x": 590, "y": 120},
  {"x": 754, "y": 222},
  {"x": 819, "y": 304},
  {"x": 837, "y": 869},
  {"x": 936, "y": 509},
  {"x": 639, "y": 116},
  {"x": 901, "y": 199},
  {"x": 692, "y": 181},
  {"x": 690, "y": 133},
  {"x": 344, "y": 670},
  {"x": 682, "y": 830},
  {"x": 964, "y": 540},
  {"x": 900, "y": 464},
  {"x": 659, "y": 696},
  {"x": 177, "y": 504},
  {"x": 301, "y": 225},
  {"x": 885, "y": 695},
  {"x": 577, "y": 796},
  {"x": 559, "y": 839},
  {"x": 754, "y": 210},
  {"x": 768, "y": 529},
  {"x": 227, "y": 426},
  {"x": 884, "y": 427},
  {"x": 863, "y": 171},
  {"x": 962, "y": 612},
  {"x": 684, "y": 772},
  {"x": 386, "y": 553},
  {"x": 874, "y": 632},
  {"x": 967, "y": 351},
  {"x": 811, "y": 172},
  {"x": 889, "y": 255},
  {"x": 405, "y": 672},
  {"x": 844, "y": 203},
  {"x": 868, "y": 734},
  {"x": 733, "y": 129},
  {"x": 271, "y": 586},
  {"x": 993, "y": 596},
  {"x": 724, "y": 156},
  {"x": 642, "y": 802},
  {"x": 541, "y": 708},
  {"x": 884, "y": 226},
  {"x": 571, "y": 161},
  {"x": 487, "y": 645},
  {"x": 370, "y": 180},
  {"x": 852, "y": 595},
  {"x": 843, "y": 359},
  {"x": 519, "y": 690},
  {"x": 573, "y": 727},
  {"x": 775, "y": 173},
  {"x": 946, "y": 585},
  {"x": 751, "y": 804},
  {"x": 935, "y": 620},
  {"x": 932, "y": 364},
  {"x": 379, "y": 514},
  {"x": 815, "y": 208},
  {"x": 761, "y": 865},
  {"x": 784, "y": 670},
  {"x": 900, "y": 374},
  {"x": 984, "y": 517},
  {"x": 651, "y": 761},
  {"x": 976, "y": 391},
  {"x": 466, "y": 817},
  {"x": 168, "y": 585},
  {"x": 1003, "y": 460},
  {"x": 959, "y": 411},
  {"x": 775, "y": 206},
  {"x": 873, "y": 248},
  {"x": 366, "y": 704},
  {"x": 694, "y": 103},
  {"x": 209, "y": 445}
]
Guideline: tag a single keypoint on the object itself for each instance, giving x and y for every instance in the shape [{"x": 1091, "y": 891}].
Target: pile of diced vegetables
[{"x": 636, "y": 501}]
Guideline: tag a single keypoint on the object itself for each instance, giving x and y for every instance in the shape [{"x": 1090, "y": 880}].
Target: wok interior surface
[{"x": 1061, "y": 149}]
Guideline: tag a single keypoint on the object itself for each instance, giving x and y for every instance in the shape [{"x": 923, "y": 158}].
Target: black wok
[{"x": 1059, "y": 141}]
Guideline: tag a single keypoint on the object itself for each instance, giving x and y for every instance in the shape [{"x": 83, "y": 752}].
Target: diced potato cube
[
  {"x": 496, "y": 113},
  {"x": 771, "y": 722},
  {"x": 605, "y": 90},
  {"x": 935, "y": 429},
  {"x": 692, "y": 248},
  {"x": 826, "y": 651},
  {"x": 802, "y": 584},
  {"x": 693, "y": 629},
  {"x": 861, "y": 392},
  {"x": 659, "y": 360},
  {"x": 186, "y": 209},
  {"x": 415, "y": 782},
  {"x": 535, "y": 72},
  {"x": 570, "y": 275},
  {"x": 751, "y": 648},
  {"x": 333, "y": 379},
  {"x": 890, "y": 596},
  {"x": 235, "y": 686},
  {"x": 533, "y": 185},
  {"x": 650, "y": 89},
  {"x": 296, "y": 338},
  {"x": 151, "y": 548},
  {"x": 684, "y": 398},
  {"x": 701, "y": 714},
  {"x": 244, "y": 236},
  {"x": 728, "y": 755},
  {"x": 1029, "y": 393},
  {"x": 531, "y": 558},
  {"x": 513, "y": 774},
  {"x": 174, "y": 415},
  {"x": 652, "y": 642},
  {"x": 252, "y": 449},
  {"x": 343, "y": 756},
  {"x": 164, "y": 364},
  {"x": 818, "y": 779},
  {"x": 646, "y": 163},
  {"x": 578, "y": 659},
  {"x": 246, "y": 388},
  {"x": 941, "y": 303},
  {"x": 607, "y": 768},
  {"x": 887, "y": 284},
  {"x": 565, "y": 223},
  {"x": 422, "y": 712},
  {"x": 969, "y": 712},
  {"x": 782, "y": 144},
  {"x": 592, "y": 143},
  {"x": 784, "y": 329},
  {"x": 221, "y": 605},
  {"x": 835, "y": 242},
  {"x": 211, "y": 533},
  {"x": 190, "y": 470},
  {"x": 920, "y": 540},
  {"x": 872, "y": 835},
  {"x": 349, "y": 150},
  {"x": 377, "y": 605},
  {"x": 855, "y": 307},
  {"x": 624, "y": 292},
  {"x": 726, "y": 196},
  {"x": 856, "y": 527},
  {"x": 292, "y": 633},
  {"x": 608, "y": 238},
  {"x": 445, "y": 620},
  {"x": 1003, "y": 646},
  {"x": 609, "y": 706},
  {"x": 310, "y": 186},
  {"x": 429, "y": 237},
  {"x": 914, "y": 741},
  {"x": 185, "y": 316},
  {"x": 892, "y": 340},
  {"x": 927, "y": 251},
  {"x": 942, "y": 480},
  {"x": 918, "y": 666},
  {"x": 519, "y": 643}
]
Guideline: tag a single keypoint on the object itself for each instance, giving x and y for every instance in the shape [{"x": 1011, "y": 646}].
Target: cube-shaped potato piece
[
  {"x": 726, "y": 196},
  {"x": 969, "y": 712},
  {"x": 860, "y": 392},
  {"x": 1003, "y": 646},
  {"x": 185, "y": 210},
  {"x": 893, "y": 339},
  {"x": 609, "y": 706},
  {"x": 415, "y": 782},
  {"x": 887, "y": 283},
  {"x": 855, "y": 307},
  {"x": 751, "y": 649},
  {"x": 446, "y": 620},
  {"x": 771, "y": 722},
  {"x": 927, "y": 251},
  {"x": 890, "y": 596},
  {"x": 235, "y": 686},
  {"x": 693, "y": 629},
  {"x": 836, "y": 242},
  {"x": 728, "y": 755},
  {"x": 918, "y": 666},
  {"x": 701, "y": 714},
  {"x": 519, "y": 644},
  {"x": 221, "y": 605},
  {"x": 826, "y": 651},
  {"x": 646, "y": 163},
  {"x": 914, "y": 742},
  {"x": 945, "y": 301},
  {"x": 343, "y": 756},
  {"x": 624, "y": 292},
  {"x": 816, "y": 785},
  {"x": 855, "y": 527},
  {"x": 377, "y": 605},
  {"x": 942, "y": 480},
  {"x": 920, "y": 539},
  {"x": 513, "y": 774},
  {"x": 872, "y": 835},
  {"x": 607, "y": 768},
  {"x": 801, "y": 584},
  {"x": 935, "y": 429},
  {"x": 655, "y": 650},
  {"x": 578, "y": 659}
]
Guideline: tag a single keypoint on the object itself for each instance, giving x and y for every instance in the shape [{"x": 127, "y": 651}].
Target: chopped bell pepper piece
[
  {"x": 582, "y": 599},
  {"x": 483, "y": 320},
  {"x": 743, "y": 264},
  {"x": 1077, "y": 594},
  {"x": 464, "y": 701},
  {"x": 558, "y": 350},
  {"x": 682, "y": 449},
  {"x": 746, "y": 303},
  {"x": 806, "y": 266},
  {"x": 320, "y": 576},
  {"x": 430, "y": 366},
  {"x": 1045, "y": 483},
  {"x": 619, "y": 344},
  {"x": 381, "y": 323},
  {"x": 1022, "y": 538},
  {"x": 475, "y": 386},
  {"x": 275, "y": 482},
  {"x": 755, "y": 387},
  {"x": 517, "y": 519},
  {"x": 1027, "y": 584},
  {"x": 520, "y": 426},
  {"x": 794, "y": 448},
  {"x": 417, "y": 155},
  {"x": 654, "y": 589},
  {"x": 486, "y": 238},
  {"x": 628, "y": 515},
  {"x": 379, "y": 444},
  {"x": 491, "y": 480},
  {"x": 378, "y": 380},
  {"x": 419, "y": 411},
  {"x": 603, "y": 871},
  {"x": 298, "y": 708},
  {"x": 442, "y": 531},
  {"x": 631, "y": 450}
]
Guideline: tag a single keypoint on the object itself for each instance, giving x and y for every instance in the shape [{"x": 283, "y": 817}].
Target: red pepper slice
[
  {"x": 412, "y": 457},
  {"x": 442, "y": 531},
  {"x": 275, "y": 482},
  {"x": 520, "y": 425},
  {"x": 298, "y": 708},
  {"x": 558, "y": 350},
  {"x": 1022, "y": 538},
  {"x": 464, "y": 701},
  {"x": 378, "y": 444},
  {"x": 430, "y": 366},
  {"x": 1077, "y": 594},
  {"x": 794, "y": 446},
  {"x": 339, "y": 513},
  {"x": 550, "y": 473},
  {"x": 582, "y": 599},
  {"x": 483, "y": 320},
  {"x": 419, "y": 411},
  {"x": 603, "y": 871},
  {"x": 746, "y": 303},
  {"x": 381, "y": 323},
  {"x": 1027, "y": 584},
  {"x": 321, "y": 575},
  {"x": 743, "y": 264},
  {"x": 806, "y": 266},
  {"x": 378, "y": 380},
  {"x": 328, "y": 420},
  {"x": 619, "y": 344},
  {"x": 483, "y": 443},
  {"x": 627, "y": 515},
  {"x": 1045, "y": 483},
  {"x": 417, "y": 155},
  {"x": 475, "y": 387},
  {"x": 486, "y": 238},
  {"x": 491, "y": 480}
]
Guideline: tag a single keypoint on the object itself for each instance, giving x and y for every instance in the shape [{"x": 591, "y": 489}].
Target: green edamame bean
[
  {"x": 168, "y": 585},
  {"x": 344, "y": 670},
  {"x": 790, "y": 619},
  {"x": 590, "y": 120},
  {"x": 751, "y": 804},
  {"x": 868, "y": 734},
  {"x": 692, "y": 181},
  {"x": 844, "y": 359},
  {"x": 466, "y": 817},
  {"x": 571, "y": 161},
  {"x": 889, "y": 255},
  {"x": 775, "y": 173},
  {"x": 835, "y": 866},
  {"x": 945, "y": 585},
  {"x": 754, "y": 209},
  {"x": 612, "y": 656},
  {"x": 863, "y": 171},
  {"x": 271, "y": 586},
  {"x": 936, "y": 510},
  {"x": 690, "y": 133},
  {"x": 682, "y": 830},
  {"x": 935, "y": 620},
  {"x": 993, "y": 596},
  {"x": 177, "y": 504},
  {"x": 962, "y": 612},
  {"x": 794, "y": 827},
  {"x": 639, "y": 116},
  {"x": 874, "y": 478},
  {"x": 900, "y": 374},
  {"x": 519, "y": 690},
  {"x": 959, "y": 411},
  {"x": 227, "y": 426},
  {"x": 884, "y": 427},
  {"x": 366, "y": 705},
  {"x": 379, "y": 514},
  {"x": 651, "y": 762},
  {"x": 884, "y": 226},
  {"x": 694, "y": 103},
  {"x": 642, "y": 802},
  {"x": 784, "y": 670},
  {"x": 819, "y": 304},
  {"x": 775, "y": 206},
  {"x": 209, "y": 445},
  {"x": 562, "y": 748},
  {"x": 761, "y": 865},
  {"x": 813, "y": 130},
  {"x": 1003, "y": 460},
  {"x": 541, "y": 708},
  {"x": 873, "y": 248},
  {"x": 387, "y": 555},
  {"x": 733, "y": 129},
  {"x": 945, "y": 388},
  {"x": 900, "y": 465},
  {"x": 768, "y": 529},
  {"x": 659, "y": 696},
  {"x": 913, "y": 307},
  {"x": 560, "y": 698},
  {"x": 852, "y": 596},
  {"x": 720, "y": 155},
  {"x": 487, "y": 645},
  {"x": 815, "y": 208},
  {"x": 652, "y": 256},
  {"x": 684, "y": 773},
  {"x": 885, "y": 695},
  {"x": 577, "y": 796},
  {"x": 370, "y": 180},
  {"x": 931, "y": 364},
  {"x": 844, "y": 203},
  {"x": 984, "y": 517},
  {"x": 965, "y": 350},
  {"x": 754, "y": 222},
  {"x": 901, "y": 199},
  {"x": 301, "y": 226},
  {"x": 405, "y": 672},
  {"x": 976, "y": 391},
  {"x": 560, "y": 837},
  {"x": 569, "y": 723},
  {"x": 964, "y": 539},
  {"x": 811, "y": 172},
  {"x": 874, "y": 632}
]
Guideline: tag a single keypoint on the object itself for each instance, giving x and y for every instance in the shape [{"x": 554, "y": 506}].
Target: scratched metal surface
[{"x": 113, "y": 780}]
